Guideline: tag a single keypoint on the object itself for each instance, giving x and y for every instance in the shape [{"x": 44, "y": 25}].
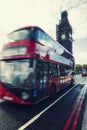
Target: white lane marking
[{"x": 38, "y": 115}]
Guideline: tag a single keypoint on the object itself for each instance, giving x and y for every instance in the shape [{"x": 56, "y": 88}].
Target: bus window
[
  {"x": 53, "y": 70},
  {"x": 18, "y": 73},
  {"x": 42, "y": 77},
  {"x": 49, "y": 42},
  {"x": 41, "y": 37},
  {"x": 41, "y": 71},
  {"x": 23, "y": 34},
  {"x": 68, "y": 71},
  {"x": 62, "y": 70}
]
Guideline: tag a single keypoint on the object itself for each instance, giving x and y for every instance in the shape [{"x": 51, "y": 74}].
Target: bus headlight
[{"x": 25, "y": 95}]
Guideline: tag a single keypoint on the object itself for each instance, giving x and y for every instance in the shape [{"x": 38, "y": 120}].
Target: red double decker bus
[
  {"x": 84, "y": 71},
  {"x": 32, "y": 66}
]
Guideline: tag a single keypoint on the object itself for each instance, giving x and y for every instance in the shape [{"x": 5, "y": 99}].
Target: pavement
[{"x": 84, "y": 124}]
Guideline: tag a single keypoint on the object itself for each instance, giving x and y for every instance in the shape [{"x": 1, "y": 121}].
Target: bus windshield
[
  {"x": 22, "y": 34},
  {"x": 18, "y": 73}
]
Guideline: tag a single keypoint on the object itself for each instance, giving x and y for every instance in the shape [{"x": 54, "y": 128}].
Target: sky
[{"x": 46, "y": 14}]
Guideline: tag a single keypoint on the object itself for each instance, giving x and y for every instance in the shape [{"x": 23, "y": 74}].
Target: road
[{"x": 63, "y": 112}]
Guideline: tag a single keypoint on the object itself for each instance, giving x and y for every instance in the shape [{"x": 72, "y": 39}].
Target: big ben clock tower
[{"x": 64, "y": 32}]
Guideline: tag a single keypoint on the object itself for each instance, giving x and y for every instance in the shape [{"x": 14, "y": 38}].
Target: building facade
[{"x": 64, "y": 34}]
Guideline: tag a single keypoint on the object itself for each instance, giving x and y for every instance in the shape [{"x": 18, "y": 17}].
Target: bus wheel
[{"x": 52, "y": 91}]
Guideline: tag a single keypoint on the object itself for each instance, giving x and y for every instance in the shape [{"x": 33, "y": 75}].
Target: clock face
[{"x": 63, "y": 36}]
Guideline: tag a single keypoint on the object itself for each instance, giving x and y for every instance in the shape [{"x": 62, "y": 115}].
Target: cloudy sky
[{"x": 46, "y": 14}]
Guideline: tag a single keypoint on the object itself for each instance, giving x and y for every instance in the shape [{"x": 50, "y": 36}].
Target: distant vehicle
[
  {"x": 32, "y": 67},
  {"x": 84, "y": 71}
]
